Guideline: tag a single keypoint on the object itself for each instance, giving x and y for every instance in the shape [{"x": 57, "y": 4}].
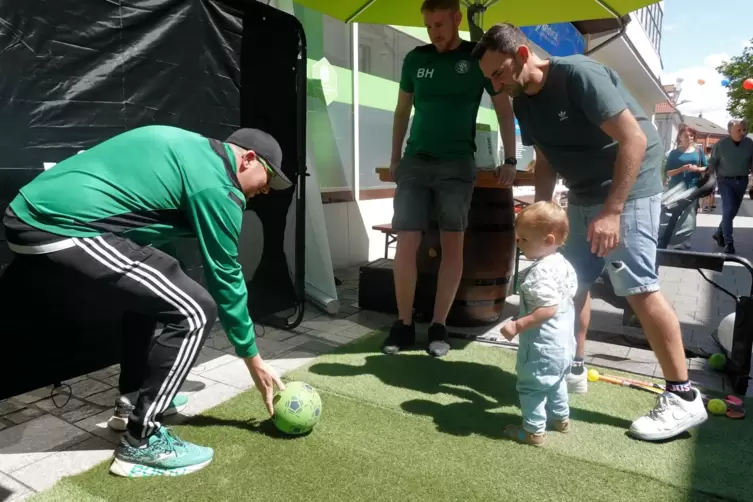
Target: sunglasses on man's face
[{"x": 270, "y": 175}]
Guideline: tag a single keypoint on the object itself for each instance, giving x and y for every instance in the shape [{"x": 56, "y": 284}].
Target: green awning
[{"x": 518, "y": 12}]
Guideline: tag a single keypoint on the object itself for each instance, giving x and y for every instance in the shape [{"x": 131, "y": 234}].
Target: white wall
[
  {"x": 640, "y": 40},
  {"x": 668, "y": 124},
  {"x": 351, "y": 238},
  {"x": 647, "y": 102},
  {"x": 634, "y": 58}
]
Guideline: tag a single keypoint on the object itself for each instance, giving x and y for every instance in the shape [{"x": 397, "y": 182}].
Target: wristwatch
[{"x": 511, "y": 161}]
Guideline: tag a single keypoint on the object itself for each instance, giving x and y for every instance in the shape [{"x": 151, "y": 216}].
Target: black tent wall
[
  {"x": 77, "y": 72},
  {"x": 274, "y": 99}
]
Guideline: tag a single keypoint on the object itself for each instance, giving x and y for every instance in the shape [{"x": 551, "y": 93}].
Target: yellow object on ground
[
  {"x": 593, "y": 375},
  {"x": 717, "y": 407}
]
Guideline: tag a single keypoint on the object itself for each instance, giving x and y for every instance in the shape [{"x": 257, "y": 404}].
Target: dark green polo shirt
[{"x": 564, "y": 121}]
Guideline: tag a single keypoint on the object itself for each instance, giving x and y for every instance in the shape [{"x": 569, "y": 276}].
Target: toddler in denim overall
[{"x": 545, "y": 324}]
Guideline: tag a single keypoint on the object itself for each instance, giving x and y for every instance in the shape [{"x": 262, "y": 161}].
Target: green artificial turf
[{"x": 411, "y": 427}]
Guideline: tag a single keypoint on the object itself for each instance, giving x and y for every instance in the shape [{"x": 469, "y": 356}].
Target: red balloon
[{"x": 748, "y": 84}]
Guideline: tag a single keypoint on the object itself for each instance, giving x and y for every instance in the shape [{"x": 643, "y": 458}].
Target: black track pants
[{"x": 151, "y": 285}]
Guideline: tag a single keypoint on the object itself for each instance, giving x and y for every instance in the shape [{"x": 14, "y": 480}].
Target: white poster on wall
[{"x": 320, "y": 288}]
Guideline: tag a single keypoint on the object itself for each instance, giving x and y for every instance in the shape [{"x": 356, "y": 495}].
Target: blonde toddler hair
[{"x": 546, "y": 217}]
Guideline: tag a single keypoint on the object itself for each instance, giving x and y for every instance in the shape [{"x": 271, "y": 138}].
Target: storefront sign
[{"x": 560, "y": 39}]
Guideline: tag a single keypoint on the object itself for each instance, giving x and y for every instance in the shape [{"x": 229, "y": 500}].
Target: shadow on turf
[
  {"x": 482, "y": 388},
  {"x": 680, "y": 437},
  {"x": 265, "y": 427}
]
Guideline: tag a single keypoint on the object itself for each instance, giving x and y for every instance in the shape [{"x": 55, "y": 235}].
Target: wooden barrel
[{"x": 488, "y": 256}]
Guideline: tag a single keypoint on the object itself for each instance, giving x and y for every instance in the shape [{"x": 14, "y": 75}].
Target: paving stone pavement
[
  {"x": 700, "y": 307},
  {"x": 45, "y": 435},
  {"x": 49, "y": 433}
]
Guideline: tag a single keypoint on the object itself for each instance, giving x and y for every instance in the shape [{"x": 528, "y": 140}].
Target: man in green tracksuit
[{"x": 103, "y": 213}]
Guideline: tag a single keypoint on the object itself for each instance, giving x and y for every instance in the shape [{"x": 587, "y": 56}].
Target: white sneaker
[
  {"x": 577, "y": 384},
  {"x": 123, "y": 408},
  {"x": 671, "y": 416}
]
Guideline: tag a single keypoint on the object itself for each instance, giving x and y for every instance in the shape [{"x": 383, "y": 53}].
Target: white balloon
[{"x": 725, "y": 331}]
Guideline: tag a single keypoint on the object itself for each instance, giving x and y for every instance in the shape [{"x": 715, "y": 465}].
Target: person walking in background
[
  {"x": 445, "y": 85},
  {"x": 684, "y": 167},
  {"x": 708, "y": 203},
  {"x": 732, "y": 161}
]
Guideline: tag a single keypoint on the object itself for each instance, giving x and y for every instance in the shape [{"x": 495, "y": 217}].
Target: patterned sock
[
  {"x": 681, "y": 389},
  {"x": 577, "y": 367}
]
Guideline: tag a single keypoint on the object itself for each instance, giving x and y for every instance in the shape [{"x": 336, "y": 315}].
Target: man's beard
[{"x": 515, "y": 89}]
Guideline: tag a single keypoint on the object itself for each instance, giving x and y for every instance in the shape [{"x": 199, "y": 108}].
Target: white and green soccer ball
[{"x": 297, "y": 409}]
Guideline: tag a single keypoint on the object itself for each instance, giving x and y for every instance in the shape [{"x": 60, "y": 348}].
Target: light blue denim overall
[{"x": 546, "y": 352}]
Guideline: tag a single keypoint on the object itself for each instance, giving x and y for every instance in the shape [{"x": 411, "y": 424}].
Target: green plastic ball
[
  {"x": 717, "y": 362},
  {"x": 717, "y": 407},
  {"x": 297, "y": 409}
]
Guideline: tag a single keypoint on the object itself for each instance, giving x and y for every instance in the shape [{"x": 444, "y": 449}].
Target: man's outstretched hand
[{"x": 265, "y": 378}]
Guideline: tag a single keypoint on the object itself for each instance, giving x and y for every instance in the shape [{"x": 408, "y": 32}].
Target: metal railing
[{"x": 651, "y": 18}]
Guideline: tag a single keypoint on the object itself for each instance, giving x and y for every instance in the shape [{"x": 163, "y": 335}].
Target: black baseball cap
[{"x": 267, "y": 149}]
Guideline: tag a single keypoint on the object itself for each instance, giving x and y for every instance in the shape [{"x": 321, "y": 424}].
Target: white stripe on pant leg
[
  {"x": 166, "y": 394},
  {"x": 187, "y": 350},
  {"x": 155, "y": 285},
  {"x": 133, "y": 273},
  {"x": 190, "y": 345},
  {"x": 167, "y": 290}
]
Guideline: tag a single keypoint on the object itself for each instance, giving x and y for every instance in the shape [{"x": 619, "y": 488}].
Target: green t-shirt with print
[{"x": 447, "y": 88}]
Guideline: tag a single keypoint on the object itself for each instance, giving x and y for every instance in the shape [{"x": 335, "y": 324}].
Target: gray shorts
[{"x": 424, "y": 186}]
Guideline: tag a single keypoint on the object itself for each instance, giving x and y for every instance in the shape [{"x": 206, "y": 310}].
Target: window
[
  {"x": 651, "y": 19},
  {"x": 329, "y": 98},
  {"x": 381, "y": 50}
]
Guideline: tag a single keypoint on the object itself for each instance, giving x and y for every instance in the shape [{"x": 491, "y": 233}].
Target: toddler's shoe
[
  {"x": 521, "y": 435},
  {"x": 563, "y": 426}
]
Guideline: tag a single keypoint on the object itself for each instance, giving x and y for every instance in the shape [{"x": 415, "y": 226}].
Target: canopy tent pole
[
  {"x": 360, "y": 10},
  {"x": 476, "y": 17}
]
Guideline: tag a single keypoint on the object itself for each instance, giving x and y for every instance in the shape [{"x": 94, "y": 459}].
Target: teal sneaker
[
  {"x": 123, "y": 408},
  {"x": 164, "y": 455}
]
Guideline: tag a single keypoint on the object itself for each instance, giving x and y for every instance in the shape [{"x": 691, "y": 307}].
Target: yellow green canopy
[{"x": 518, "y": 12}]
